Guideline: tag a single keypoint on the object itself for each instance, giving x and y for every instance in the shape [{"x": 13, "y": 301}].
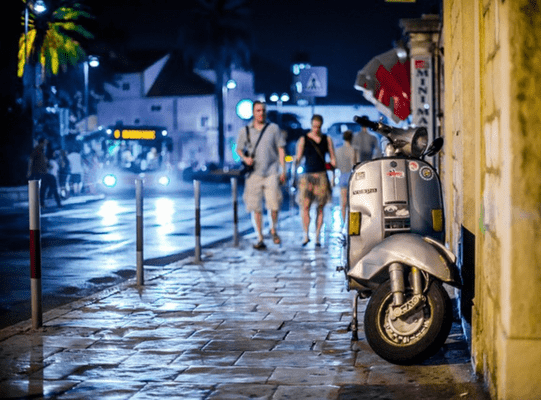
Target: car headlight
[
  {"x": 109, "y": 180},
  {"x": 164, "y": 180}
]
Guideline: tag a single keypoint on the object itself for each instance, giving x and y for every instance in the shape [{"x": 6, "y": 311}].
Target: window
[
  {"x": 125, "y": 86},
  {"x": 204, "y": 122},
  {"x": 156, "y": 108}
]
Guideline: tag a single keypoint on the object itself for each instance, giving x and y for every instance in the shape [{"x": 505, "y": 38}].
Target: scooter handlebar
[{"x": 364, "y": 121}]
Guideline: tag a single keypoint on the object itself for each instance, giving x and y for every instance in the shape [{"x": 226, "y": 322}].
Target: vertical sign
[{"x": 422, "y": 93}]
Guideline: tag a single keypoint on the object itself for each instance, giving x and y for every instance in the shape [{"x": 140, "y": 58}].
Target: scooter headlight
[
  {"x": 419, "y": 142},
  {"x": 411, "y": 142}
]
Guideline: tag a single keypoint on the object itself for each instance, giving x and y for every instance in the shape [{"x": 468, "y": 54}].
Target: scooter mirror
[{"x": 434, "y": 147}]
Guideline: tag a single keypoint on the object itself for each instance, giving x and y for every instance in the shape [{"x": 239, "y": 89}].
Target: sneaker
[{"x": 260, "y": 245}]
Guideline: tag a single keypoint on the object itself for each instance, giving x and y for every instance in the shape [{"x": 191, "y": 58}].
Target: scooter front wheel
[{"x": 414, "y": 337}]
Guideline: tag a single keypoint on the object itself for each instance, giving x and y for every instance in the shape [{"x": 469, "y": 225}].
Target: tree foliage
[{"x": 52, "y": 39}]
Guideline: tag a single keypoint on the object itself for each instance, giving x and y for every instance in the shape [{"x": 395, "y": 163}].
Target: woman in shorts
[{"x": 314, "y": 185}]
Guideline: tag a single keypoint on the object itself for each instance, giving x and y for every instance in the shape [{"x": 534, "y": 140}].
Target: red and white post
[{"x": 35, "y": 253}]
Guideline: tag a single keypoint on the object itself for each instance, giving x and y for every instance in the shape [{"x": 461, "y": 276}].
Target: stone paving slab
[{"x": 243, "y": 324}]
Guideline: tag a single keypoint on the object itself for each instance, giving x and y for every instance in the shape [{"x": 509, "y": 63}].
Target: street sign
[{"x": 313, "y": 81}]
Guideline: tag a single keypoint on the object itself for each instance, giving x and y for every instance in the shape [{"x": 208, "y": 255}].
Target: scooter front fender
[{"x": 409, "y": 249}]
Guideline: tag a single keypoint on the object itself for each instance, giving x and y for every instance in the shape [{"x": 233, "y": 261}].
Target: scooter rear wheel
[{"x": 413, "y": 338}]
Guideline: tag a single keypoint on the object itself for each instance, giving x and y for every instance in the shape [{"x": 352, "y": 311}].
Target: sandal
[
  {"x": 275, "y": 238},
  {"x": 305, "y": 242},
  {"x": 260, "y": 245}
]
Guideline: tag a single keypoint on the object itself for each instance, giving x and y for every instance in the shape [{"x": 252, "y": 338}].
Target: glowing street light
[
  {"x": 40, "y": 7},
  {"x": 91, "y": 61}
]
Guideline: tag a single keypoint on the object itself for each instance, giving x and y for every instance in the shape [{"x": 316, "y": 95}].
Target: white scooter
[{"x": 393, "y": 250}]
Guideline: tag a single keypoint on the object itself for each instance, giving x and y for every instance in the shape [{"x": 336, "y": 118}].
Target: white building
[{"x": 169, "y": 94}]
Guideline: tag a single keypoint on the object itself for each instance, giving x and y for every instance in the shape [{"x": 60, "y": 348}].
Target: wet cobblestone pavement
[{"x": 243, "y": 324}]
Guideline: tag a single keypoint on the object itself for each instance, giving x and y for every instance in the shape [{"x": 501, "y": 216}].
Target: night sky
[{"x": 340, "y": 34}]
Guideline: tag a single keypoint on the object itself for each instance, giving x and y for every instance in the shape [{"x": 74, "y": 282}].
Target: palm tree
[
  {"x": 51, "y": 38},
  {"x": 216, "y": 37},
  {"x": 50, "y": 41}
]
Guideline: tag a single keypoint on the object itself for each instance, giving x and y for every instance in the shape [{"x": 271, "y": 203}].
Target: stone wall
[{"x": 492, "y": 125}]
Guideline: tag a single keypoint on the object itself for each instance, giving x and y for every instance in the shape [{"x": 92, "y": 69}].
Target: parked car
[
  {"x": 290, "y": 123},
  {"x": 213, "y": 173}
]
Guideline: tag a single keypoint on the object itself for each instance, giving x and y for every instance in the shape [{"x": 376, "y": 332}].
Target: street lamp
[
  {"x": 279, "y": 100},
  {"x": 38, "y": 7},
  {"x": 230, "y": 84},
  {"x": 93, "y": 62}
]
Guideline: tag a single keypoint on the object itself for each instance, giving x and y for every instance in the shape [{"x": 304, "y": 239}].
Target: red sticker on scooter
[
  {"x": 414, "y": 166},
  {"x": 395, "y": 174}
]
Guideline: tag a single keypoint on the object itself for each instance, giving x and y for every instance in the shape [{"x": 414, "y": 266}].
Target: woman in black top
[{"x": 314, "y": 184}]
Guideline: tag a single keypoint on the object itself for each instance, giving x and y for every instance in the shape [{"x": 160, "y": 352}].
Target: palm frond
[
  {"x": 72, "y": 27},
  {"x": 25, "y": 43},
  {"x": 57, "y": 46}
]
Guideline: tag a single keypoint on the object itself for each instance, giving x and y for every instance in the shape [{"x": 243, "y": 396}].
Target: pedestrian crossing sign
[{"x": 314, "y": 81}]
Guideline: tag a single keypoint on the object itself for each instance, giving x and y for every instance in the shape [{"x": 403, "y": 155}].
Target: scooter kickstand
[{"x": 354, "y": 322}]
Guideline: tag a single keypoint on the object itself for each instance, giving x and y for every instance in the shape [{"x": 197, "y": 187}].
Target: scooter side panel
[
  {"x": 425, "y": 196},
  {"x": 365, "y": 197},
  {"x": 409, "y": 249}
]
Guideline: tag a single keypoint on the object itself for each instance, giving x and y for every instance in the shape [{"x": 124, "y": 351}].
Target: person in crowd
[
  {"x": 76, "y": 174},
  {"x": 38, "y": 169},
  {"x": 63, "y": 173},
  {"x": 366, "y": 145},
  {"x": 269, "y": 171},
  {"x": 90, "y": 169},
  {"x": 314, "y": 185},
  {"x": 346, "y": 158},
  {"x": 53, "y": 170}
]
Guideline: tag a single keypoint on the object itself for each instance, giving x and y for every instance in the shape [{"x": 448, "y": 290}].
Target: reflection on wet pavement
[{"x": 242, "y": 324}]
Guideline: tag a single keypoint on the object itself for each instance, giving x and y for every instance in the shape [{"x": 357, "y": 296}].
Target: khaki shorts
[{"x": 257, "y": 187}]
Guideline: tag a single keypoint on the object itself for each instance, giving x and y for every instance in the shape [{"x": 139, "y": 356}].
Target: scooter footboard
[{"x": 409, "y": 249}]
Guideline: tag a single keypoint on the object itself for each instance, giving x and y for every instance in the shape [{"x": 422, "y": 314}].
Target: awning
[{"x": 385, "y": 82}]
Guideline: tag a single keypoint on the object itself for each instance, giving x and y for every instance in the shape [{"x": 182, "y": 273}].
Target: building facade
[{"x": 491, "y": 169}]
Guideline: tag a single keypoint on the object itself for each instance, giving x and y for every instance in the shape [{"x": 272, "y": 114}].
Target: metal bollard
[
  {"x": 235, "y": 212},
  {"x": 197, "y": 197},
  {"x": 35, "y": 253},
  {"x": 139, "y": 245}
]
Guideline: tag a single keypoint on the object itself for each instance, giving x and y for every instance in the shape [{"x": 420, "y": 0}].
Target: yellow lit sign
[{"x": 146, "y": 134}]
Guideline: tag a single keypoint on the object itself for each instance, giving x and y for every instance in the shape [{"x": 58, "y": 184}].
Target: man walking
[{"x": 261, "y": 145}]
